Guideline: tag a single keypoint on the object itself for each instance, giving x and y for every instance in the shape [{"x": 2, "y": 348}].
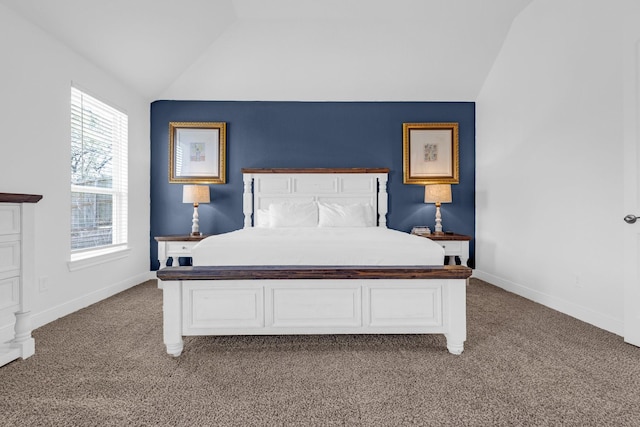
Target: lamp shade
[
  {"x": 195, "y": 194},
  {"x": 437, "y": 193}
]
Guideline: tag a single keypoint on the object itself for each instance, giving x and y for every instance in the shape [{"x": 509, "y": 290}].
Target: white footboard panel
[
  {"x": 216, "y": 306},
  {"x": 293, "y": 306},
  {"x": 301, "y": 305}
]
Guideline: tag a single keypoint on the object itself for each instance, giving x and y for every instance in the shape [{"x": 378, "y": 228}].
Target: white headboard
[{"x": 263, "y": 187}]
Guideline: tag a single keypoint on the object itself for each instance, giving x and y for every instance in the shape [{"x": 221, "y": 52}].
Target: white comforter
[{"x": 317, "y": 246}]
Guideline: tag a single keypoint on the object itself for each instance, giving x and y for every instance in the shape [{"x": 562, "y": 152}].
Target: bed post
[
  {"x": 382, "y": 200},
  {"x": 457, "y": 318},
  {"x": 172, "y": 316},
  {"x": 247, "y": 199}
]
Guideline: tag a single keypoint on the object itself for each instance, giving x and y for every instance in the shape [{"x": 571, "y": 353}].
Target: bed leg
[
  {"x": 457, "y": 331},
  {"x": 175, "y": 349},
  {"x": 454, "y": 347},
  {"x": 172, "y": 317}
]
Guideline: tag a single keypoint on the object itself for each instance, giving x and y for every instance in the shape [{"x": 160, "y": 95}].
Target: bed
[{"x": 315, "y": 256}]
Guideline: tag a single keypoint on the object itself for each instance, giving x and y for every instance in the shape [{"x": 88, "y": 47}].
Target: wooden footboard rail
[
  {"x": 282, "y": 300},
  {"x": 313, "y": 272}
]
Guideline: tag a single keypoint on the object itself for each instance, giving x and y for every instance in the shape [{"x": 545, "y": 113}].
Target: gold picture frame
[
  {"x": 197, "y": 152},
  {"x": 430, "y": 153}
]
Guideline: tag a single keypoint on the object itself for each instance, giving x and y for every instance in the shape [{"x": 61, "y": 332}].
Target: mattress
[{"x": 317, "y": 246}]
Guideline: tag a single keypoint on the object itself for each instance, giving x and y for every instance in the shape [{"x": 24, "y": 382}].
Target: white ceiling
[{"x": 285, "y": 49}]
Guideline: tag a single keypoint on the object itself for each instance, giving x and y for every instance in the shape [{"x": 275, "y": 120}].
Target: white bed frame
[{"x": 277, "y": 300}]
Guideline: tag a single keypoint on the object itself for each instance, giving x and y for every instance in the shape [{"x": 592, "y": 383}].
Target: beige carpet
[{"x": 523, "y": 364}]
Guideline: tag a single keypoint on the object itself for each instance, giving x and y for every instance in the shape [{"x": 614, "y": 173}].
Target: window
[{"x": 99, "y": 194}]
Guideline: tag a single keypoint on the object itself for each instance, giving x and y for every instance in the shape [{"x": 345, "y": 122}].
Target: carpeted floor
[{"x": 523, "y": 364}]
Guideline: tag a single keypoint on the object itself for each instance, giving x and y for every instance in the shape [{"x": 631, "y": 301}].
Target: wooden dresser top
[{"x": 19, "y": 198}]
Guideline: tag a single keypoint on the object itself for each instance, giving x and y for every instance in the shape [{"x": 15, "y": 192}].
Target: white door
[{"x": 632, "y": 197}]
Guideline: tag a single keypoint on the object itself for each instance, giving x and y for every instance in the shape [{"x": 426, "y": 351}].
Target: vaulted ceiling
[{"x": 427, "y": 50}]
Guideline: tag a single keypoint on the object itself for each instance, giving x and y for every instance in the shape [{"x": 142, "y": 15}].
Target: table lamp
[
  {"x": 438, "y": 194},
  {"x": 195, "y": 194}
]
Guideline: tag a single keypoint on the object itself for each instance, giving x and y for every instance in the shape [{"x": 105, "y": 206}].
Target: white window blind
[{"x": 99, "y": 189}]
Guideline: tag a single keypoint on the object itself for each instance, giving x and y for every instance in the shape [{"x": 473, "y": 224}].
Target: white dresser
[{"x": 17, "y": 259}]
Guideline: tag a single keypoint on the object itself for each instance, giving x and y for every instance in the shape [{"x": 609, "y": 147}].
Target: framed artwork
[
  {"x": 430, "y": 153},
  {"x": 197, "y": 152}
]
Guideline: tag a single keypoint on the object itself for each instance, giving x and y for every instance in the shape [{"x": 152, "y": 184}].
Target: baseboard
[
  {"x": 563, "y": 306},
  {"x": 53, "y": 313}
]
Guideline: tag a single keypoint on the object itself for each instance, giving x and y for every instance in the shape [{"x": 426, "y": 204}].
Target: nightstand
[
  {"x": 175, "y": 246},
  {"x": 455, "y": 245}
]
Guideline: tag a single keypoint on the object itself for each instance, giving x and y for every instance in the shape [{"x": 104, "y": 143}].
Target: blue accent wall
[{"x": 308, "y": 134}]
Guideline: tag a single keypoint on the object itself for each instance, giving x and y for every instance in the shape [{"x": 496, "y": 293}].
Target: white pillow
[
  {"x": 293, "y": 214},
  {"x": 262, "y": 218},
  {"x": 336, "y": 215}
]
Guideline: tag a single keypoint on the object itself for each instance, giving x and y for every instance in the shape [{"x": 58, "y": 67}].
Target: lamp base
[
  {"x": 438, "y": 229},
  {"x": 195, "y": 223}
]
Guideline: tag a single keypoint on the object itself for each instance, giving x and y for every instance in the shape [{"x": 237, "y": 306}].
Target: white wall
[
  {"x": 409, "y": 50},
  {"x": 549, "y": 170},
  {"x": 35, "y": 79}
]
